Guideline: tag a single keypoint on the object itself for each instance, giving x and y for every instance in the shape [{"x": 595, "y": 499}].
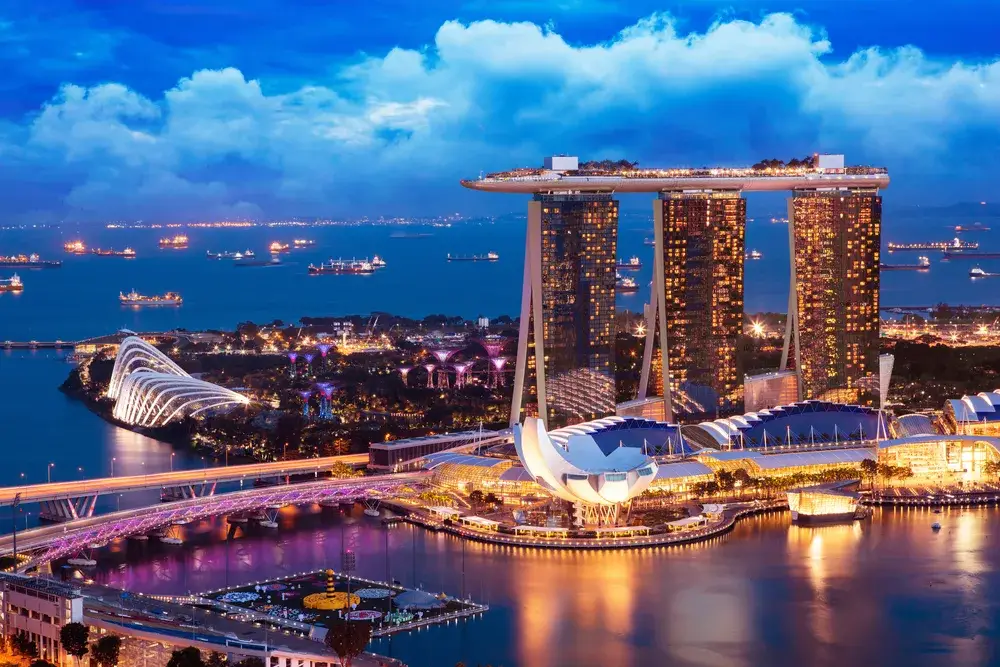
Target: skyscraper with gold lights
[
  {"x": 835, "y": 237},
  {"x": 568, "y": 308},
  {"x": 700, "y": 247}
]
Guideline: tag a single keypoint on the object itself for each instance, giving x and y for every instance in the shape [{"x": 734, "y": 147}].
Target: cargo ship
[
  {"x": 75, "y": 247},
  {"x": 633, "y": 264},
  {"x": 974, "y": 227},
  {"x": 249, "y": 260},
  {"x": 378, "y": 262},
  {"x": 12, "y": 284},
  {"x": 133, "y": 298},
  {"x": 961, "y": 254},
  {"x": 277, "y": 247},
  {"x": 923, "y": 264},
  {"x": 303, "y": 243},
  {"x": 229, "y": 255},
  {"x": 488, "y": 257},
  {"x": 626, "y": 284},
  {"x": 954, "y": 244},
  {"x": 341, "y": 267},
  {"x": 648, "y": 241},
  {"x": 977, "y": 272},
  {"x": 754, "y": 254},
  {"x": 31, "y": 261},
  {"x": 177, "y": 242},
  {"x": 127, "y": 253}
]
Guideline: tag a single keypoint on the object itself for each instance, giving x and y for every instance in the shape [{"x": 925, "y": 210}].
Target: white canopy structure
[{"x": 151, "y": 390}]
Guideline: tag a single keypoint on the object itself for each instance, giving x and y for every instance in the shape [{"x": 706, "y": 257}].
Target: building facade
[
  {"x": 836, "y": 237},
  {"x": 703, "y": 252},
  {"x": 39, "y": 608},
  {"x": 568, "y": 309}
]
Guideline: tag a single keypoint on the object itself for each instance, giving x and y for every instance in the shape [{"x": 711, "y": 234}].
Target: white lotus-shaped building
[
  {"x": 151, "y": 390},
  {"x": 585, "y": 463}
]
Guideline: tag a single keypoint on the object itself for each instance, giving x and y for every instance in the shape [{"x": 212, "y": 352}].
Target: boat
[
  {"x": 648, "y": 241},
  {"x": 178, "y": 241},
  {"x": 923, "y": 264},
  {"x": 32, "y": 261},
  {"x": 935, "y": 526},
  {"x": 755, "y": 254},
  {"x": 12, "y": 284},
  {"x": 626, "y": 284},
  {"x": 133, "y": 298},
  {"x": 976, "y": 272},
  {"x": 953, "y": 245},
  {"x": 409, "y": 235},
  {"x": 237, "y": 519},
  {"x": 75, "y": 247},
  {"x": 267, "y": 523},
  {"x": 248, "y": 260},
  {"x": 974, "y": 227},
  {"x": 167, "y": 539},
  {"x": 277, "y": 247},
  {"x": 371, "y": 511},
  {"x": 221, "y": 255},
  {"x": 82, "y": 562},
  {"x": 127, "y": 253},
  {"x": 139, "y": 537},
  {"x": 378, "y": 262},
  {"x": 340, "y": 267},
  {"x": 488, "y": 257},
  {"x": 633, "y": 264},
  {"x": 961, "y": 254},
  {"x": 303, "y": 243}
]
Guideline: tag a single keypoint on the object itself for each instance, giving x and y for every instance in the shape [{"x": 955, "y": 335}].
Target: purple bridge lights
[{"x": 48, "y": 543}]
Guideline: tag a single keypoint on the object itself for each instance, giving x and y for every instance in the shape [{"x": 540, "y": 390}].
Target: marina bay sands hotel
[{"x": 566, "y": 346}]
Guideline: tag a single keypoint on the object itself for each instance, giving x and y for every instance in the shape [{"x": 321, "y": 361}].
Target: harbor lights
[
  {"x": 404, "y": 371},
  {"x": 292, "y": 356},
  {"x": 305, "y": 394},
  {"x": 430, "y": 375}
]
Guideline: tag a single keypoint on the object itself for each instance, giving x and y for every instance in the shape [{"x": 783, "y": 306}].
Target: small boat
[
  {"x": 250, "y": 261},
  {"x": 238, "y": 519},
  {"x": 371, "y": 511},
  {"x": 935, "y": 526},
  {"x": 648, "y": 241},
  {"x": 755, "y": 254},
  {"x": 267, "y": 523},
  {"x": 167, "y": 539},
  {"x": 139, "y": 538},
  {"x": 937, "y": 510},
  {"x": 82, "y": 562},
  {"x": 976, "y": 272}
]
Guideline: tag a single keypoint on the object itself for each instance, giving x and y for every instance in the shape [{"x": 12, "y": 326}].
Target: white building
[{"x": 40, "y": 608}]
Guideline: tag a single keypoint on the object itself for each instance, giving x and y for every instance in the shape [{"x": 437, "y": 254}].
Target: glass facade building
[
  {"x": 577, "y": 252},
  {"x": 836, "y": 241},
  {"x": 703, "y": 257}
]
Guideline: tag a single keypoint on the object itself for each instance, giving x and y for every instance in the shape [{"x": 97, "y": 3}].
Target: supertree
[
  {"x": 493, "y": 347},
  {"x": 292, "y": 356},
  {"x": 460, "y": 370},
  {"x": 430, "y": 375},
  {"x": 323, "y": 349},
  {"x": 443, "y": 355},
  {"x": 404, "y": 371},
  {"x": 497, "y": 374},
  {"x": 325, "y": 396},
  {"x": 309, "y": 359},
  {"x": 305, "y": 394}
]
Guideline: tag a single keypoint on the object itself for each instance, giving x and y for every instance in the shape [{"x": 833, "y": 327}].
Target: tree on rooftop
[
  {"x": 347, "y": 639},
  {"x": 106, "y": 650},
  {"x": 75, "y": 638},
  {"x": 186, "y": 657}
]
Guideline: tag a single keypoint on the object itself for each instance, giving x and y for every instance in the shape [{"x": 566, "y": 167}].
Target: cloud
[{"x": 393, "y": 133}]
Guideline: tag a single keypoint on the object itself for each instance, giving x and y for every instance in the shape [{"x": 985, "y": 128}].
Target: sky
[{"x": 210, "y": 109}]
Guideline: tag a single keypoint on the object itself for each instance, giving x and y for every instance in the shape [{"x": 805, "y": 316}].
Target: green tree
[
  {"x": 215, "y": 659},
  {"x": 75, "y": 638},
  {"x": 21, "y": 644},
  {"x": 476, "y": 497},
  {"x": 250, "y": 662},
  {"x": 186, "y": 657},
  {"x": 869, "y": 470},
  {"x": 106, "y": 650},
  {"x": 347, "y": 640}
]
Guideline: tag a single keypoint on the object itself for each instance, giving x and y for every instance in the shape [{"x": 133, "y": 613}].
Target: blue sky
[{"x": 180, "y": 109}]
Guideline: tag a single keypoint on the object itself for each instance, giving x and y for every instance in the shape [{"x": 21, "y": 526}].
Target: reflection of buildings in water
[
  {"x": 965, "y": 542},
  {"x": 709, "y": 619}
]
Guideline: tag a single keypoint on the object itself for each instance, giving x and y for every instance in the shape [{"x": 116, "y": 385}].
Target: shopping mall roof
[
  {"x": 981, "y": 407},
  {"x": 653, "y": 437},
  {"x": 434, "y": 460},
  {"x": 915, "y": 424},
  {"x": 682, "y": 469},
  {"x": 793, "y": 459},
  {"x": 516, "y": 474},
  {"x": 458, "y": 436},
  {"x": 936, "y": 438}
]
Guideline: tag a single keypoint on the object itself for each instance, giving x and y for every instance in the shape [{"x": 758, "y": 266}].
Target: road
[{"x": 107, "y": 485}]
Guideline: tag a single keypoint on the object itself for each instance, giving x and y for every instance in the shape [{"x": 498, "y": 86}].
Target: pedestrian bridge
[
  {"x": 67, "y": 501},
  {"x": 48, "y": 543}
]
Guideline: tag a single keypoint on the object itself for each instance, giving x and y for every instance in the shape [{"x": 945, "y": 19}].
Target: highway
[{"x": 178, "y": 478}]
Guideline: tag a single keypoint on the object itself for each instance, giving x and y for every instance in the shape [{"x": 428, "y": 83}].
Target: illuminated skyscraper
[
  {"x": 569, "y": 298},
  {"x": 702, "y": 251},
  {"x": 836, "y": 235}
]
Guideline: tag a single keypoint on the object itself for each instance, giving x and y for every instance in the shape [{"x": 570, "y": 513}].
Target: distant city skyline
[{"x": 217, "y": 109}]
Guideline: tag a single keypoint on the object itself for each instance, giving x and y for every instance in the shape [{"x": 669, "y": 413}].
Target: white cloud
[{"x": 489, "y": 95}]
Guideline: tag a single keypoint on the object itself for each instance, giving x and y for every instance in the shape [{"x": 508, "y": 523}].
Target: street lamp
[
  {"x": 172, "y": 455},
  {"x": 113, "y": 459},
  {"x": 48, "y": 471}
]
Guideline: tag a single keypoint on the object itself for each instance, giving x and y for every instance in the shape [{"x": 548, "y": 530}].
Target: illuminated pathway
[
  {"x": 51, "y": 542},
  {"x": 65, "y": 501}
]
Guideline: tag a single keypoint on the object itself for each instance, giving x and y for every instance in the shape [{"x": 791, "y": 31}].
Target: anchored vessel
[
  {"x": 303, "y": 243},
  {"x": 974, "y": 227},
  {"x": 75, "y": 247},
  {"x": 249, "y": 260},
  {"x": 127, "y": 253},
  {"x": 626, "y": 284},
  {"x": 133, "y": 298},
  {"x": 229, "y": 254},
  {"x": 488, "y": 257},
  {"x": 949, "y": 254},
  {"x": 277, "y": 247},
  {"x": 633, "y": 264},
  {"x": 178, "y": 241},
  {"x": 341, "y": 267},
  {"x": 32, "y": 261},
  {"x": 923, "y": 264},
  {"x": 754, "y": 254},
  {"x": 12, "y": 284},
  {"x": 378, "y": 262},
  {"x": 954, "y": 244},
  {"x": 977, "y": 272}
]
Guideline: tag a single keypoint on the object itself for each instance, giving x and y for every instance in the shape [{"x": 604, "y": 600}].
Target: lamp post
[
  {"x": 48, "y": 471},
  {"x": 172, "y": 455},
  {"x": 113, "y": 459},
  {"x": 13, "y": 524}
]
